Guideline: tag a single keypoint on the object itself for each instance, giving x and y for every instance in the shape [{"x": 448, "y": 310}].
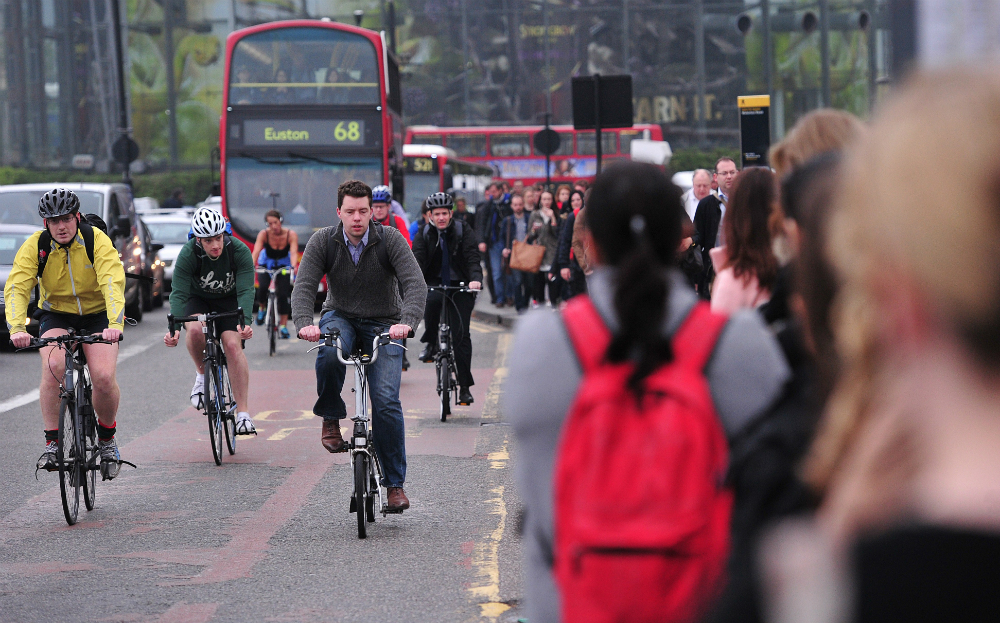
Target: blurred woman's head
[
  {"x": 819, "y": 131},
  {"x": 545, "y": 200},
  {"x": 745, "y": 226},
  {"x": 634, "y": 217},
  {"x": 562, "y": 193},
  {"x": 915, "y": 242},
  {"x": 576, "y": 200}
]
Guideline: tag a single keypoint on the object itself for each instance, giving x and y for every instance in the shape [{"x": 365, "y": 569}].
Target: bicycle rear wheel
[
  {"x": 214, "y": 410},
  {"x": 272, "y": 326},
  {"x": 92, "y": 455},
  {"x": 70, "y": 477},
  {"x": 361, "y": 491},
  {"x": 229, "y": 418}
]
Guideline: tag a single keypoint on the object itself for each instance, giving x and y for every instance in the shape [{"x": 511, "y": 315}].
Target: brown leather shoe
[
  {"x": 397, "y": 500},
  {"x": 332, "y": 439}
]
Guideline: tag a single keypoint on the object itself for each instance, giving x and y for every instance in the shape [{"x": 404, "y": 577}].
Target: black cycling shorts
[
  {"x": 82, "y": 325},
  {"x": 197, "y": 305}
]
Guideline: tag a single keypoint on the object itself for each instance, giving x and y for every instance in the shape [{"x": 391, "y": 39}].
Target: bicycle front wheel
[
  {"x": 444, "y": 387},
  {"x": 92, "y": 455},
  {"x": 70, "y": 476},
  {"x": 272, "y": 326},
  {"x": 229, "y": 418},
  {"x": 361, "y": 491},
  {"x": 214, "y": 411}
]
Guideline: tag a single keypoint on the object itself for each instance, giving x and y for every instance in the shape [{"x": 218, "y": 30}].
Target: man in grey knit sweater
[{"x": 374, "y": 286}]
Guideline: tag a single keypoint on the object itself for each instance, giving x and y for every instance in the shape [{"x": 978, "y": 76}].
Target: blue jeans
[
  {"x": 383, "y": 388},
  {"x": 520, "y": 284},
  {"x": 500, "y": 290}
]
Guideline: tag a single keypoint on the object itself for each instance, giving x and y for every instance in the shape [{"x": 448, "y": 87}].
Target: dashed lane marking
[{"x": 30, "y": 397}]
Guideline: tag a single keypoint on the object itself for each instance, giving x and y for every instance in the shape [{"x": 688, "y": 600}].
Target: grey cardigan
[
  {"x": 746, "y": 376},
  {"x": 367, "y": 290}
]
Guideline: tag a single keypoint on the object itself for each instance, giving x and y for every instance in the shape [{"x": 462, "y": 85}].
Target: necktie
[{"x": 445, "y": 260}]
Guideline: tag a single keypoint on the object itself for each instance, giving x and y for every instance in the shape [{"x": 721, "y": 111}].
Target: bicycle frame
[
  {"x": 447, "y": 373},
  {"x": 362, "y": 435}
]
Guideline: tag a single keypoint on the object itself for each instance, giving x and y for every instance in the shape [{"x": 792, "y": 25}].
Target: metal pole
[
  {"x": 872, "y": 41},
  {"x": 548, "y": 158},
  {"x": 765, "y": 10},
  {"x": 597, "y": 120},
  {"x": 699, "y": 64},
  {"x": 465, "y": 61},
  {"x": 625, "y": 51},
  {"x": 168, "y": 38},
  {"x": 392, "y": 26},
  {"x": 123, "y": 127},
  {"x": 548, "y": 68},
  {"x": 824, "y": 49}
]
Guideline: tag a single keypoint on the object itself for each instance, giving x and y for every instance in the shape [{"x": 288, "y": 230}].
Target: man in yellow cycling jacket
[{"x": 73, "y": 292}]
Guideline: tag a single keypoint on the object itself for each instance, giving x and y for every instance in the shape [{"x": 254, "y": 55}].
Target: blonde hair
[
  {"x": 820, "y": 131},
  {"x": 919, "y": 198}
]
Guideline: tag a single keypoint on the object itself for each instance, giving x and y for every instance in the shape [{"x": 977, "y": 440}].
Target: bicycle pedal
[
  {"x": 392, "y": 511},
  {"x": 354, "y": 505}
]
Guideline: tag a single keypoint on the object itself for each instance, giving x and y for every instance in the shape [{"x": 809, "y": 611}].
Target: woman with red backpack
[{"x": 621, "y": 407}]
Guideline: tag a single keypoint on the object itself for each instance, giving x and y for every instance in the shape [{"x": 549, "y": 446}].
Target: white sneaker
[
  {"x": 244, "y": 425},
  {"x": 198, "y": 391}
]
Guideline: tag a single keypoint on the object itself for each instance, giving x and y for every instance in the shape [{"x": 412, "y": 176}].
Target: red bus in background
[
  {"x": 509, "y": 151},
  {"x": 308, "y": 104},
  {"x": 430, "y": 169}
]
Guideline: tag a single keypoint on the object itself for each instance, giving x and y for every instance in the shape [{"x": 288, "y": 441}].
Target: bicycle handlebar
[
  {"x": 93, "y": 338},
  {"x": 173, "y": 320},
  {"x": 273, "y": 271},
  {"x": 332, "y": 339},
  {"x": 459, "y": 288}
]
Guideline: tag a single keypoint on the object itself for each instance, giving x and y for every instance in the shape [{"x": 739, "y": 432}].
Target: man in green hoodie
[{"x": 214, "y": 273}]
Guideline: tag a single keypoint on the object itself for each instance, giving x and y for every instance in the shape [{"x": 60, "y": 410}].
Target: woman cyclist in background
[{"x": 280, "y": 246}]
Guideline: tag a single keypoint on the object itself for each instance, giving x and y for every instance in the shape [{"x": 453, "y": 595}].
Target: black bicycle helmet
[
  {"x": 440, "y": 200},
  {"x": 58, "y": 202}
]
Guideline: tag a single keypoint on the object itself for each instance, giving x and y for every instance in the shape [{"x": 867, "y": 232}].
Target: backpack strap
[
  {"x": 588, "y": 334},
  {"x": 697, "y": 336}
]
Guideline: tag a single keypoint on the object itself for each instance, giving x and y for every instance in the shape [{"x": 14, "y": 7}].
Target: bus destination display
[
  {"x": 419, "y": 165},
  {"x": 286, "y": 132}
]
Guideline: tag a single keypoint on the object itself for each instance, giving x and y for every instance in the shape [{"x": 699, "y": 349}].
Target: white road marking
[{"x": 30, "y": 397}]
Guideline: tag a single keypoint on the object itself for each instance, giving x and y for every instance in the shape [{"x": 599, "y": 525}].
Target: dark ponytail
[{"x": 634, "y": 214}]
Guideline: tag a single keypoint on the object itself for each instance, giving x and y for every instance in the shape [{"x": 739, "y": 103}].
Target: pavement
[
  {"x": 267, "y": 536},
  {"x": 488, "y": 312}
]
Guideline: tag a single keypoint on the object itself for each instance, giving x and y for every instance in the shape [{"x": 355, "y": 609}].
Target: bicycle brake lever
[{"x": 315, "y": 347}]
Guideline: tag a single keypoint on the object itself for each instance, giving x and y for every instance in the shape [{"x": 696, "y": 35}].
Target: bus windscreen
[{"x": 304, "y": 66}]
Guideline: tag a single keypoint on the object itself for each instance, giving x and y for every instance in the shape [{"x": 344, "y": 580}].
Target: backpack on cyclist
[
  {"x": 381, "y": 250},
  {"x": 86, "y": 226},
  {"x": 641, "y": 512}
]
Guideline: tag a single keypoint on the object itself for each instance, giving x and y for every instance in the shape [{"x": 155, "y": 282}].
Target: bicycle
[
  {"x": 446, "y": 371},
  {"x": 271, "y": 314},
  {"x": 217, "y": 400},
  {"x": 364, "y": 460},
  {"x": 78, "y": 457}
]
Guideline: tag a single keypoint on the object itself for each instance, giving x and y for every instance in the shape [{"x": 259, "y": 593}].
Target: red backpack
[{"x": 641, "y": 514}]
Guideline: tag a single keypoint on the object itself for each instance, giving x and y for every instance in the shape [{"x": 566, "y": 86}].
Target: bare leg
[
  {"x": 196, "y": 345},
  {"x": 102, "y": 360},
  {"x": 239, "y": 369},
  {"x": 53, "y": 366}
]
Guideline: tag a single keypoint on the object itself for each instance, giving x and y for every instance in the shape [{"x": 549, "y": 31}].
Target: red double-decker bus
[
  {"x": 511, "y": 153},
  {"x": 308, "y": 104}
]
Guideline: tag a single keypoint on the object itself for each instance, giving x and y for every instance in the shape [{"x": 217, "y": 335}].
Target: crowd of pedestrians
[{"x": 805, "y": 428}]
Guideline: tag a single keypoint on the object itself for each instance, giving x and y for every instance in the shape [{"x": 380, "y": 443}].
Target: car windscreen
[
  {"x": 9, "y": 244},
  {"x": 21, "y": 206},
  {"x": 169, "y": 233},
  {"x": 303, "y": 190}
]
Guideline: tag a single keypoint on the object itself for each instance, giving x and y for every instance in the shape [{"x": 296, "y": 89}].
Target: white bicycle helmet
[{"x": 207, "y": 223}]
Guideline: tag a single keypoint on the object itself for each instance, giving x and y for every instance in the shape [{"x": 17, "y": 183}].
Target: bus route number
[
  {"x": 347, "y": 132},
  {"x": 423, "y": 165}
]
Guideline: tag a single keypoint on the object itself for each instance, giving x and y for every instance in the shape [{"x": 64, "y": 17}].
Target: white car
[{"x": 172, "y": 232}]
